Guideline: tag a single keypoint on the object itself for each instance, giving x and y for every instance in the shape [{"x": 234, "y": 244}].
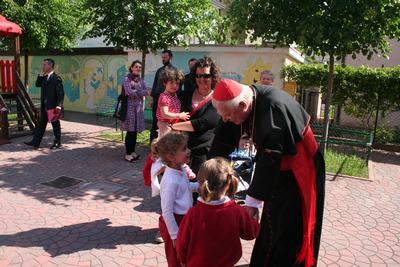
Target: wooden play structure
[{"x": 18, "y": 114}]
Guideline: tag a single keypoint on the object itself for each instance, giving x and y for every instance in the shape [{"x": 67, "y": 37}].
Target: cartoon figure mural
[
  {"x": 69, "y": 70},
  {"x": 116, "y": 71},
  {"x": 93, "y": 81},
  {"x": 252, "y": 73}
]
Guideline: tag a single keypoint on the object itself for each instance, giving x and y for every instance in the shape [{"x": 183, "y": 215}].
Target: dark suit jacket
[{"x": 52, "y": 91}]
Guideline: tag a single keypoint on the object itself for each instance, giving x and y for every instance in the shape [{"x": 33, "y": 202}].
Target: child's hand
[
  {"x": 192, "y": 176},
  {"x": 253, "y": 212},
  {"x": 184, "y": 116}
]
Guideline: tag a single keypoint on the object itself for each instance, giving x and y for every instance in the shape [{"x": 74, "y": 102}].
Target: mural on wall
[
  {"x": 180, "y": 61},
  {"x": 251, "y": 75},
  {"x": 232, "y": 67},
  {"x": 91, "y": 83},
  {"x": 69, "y": 68},
  {"x": 93, "y": 80}
]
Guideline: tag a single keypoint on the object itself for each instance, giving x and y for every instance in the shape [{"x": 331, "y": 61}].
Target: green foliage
[
  {"x": 321, "y": 27},
  {"x": 340, "y": 163},
  {"x": 355, "y": 88},
  {"x": 385, "y": 135},
  {"x": 326, "y": 28},
  {"x": 46, "y": 24},
  {"x": 150, "y": 25}
]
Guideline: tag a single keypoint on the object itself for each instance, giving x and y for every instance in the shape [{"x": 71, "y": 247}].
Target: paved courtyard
[{"x": 110, "y": 219}]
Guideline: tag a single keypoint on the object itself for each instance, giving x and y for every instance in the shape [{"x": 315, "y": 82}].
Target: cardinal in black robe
[{"x": 289, "y": 176}]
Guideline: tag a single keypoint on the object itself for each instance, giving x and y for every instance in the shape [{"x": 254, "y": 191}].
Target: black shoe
[
  {"x": 56, "y": 145},
  {"x": 31, "y": 144}
]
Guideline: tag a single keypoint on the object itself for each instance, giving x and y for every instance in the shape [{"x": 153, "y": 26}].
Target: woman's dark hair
[
  {"x": 133, "y": 64},
  {"x": 206, "y": 62},
  {"x": 171, "y": 74}
]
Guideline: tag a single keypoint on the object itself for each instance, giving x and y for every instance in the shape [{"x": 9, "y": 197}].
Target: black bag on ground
[{"x": 122, "y": 106}]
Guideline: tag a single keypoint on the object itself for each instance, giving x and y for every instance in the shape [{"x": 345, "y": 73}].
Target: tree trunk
[
  {"x": 143, "y": 62},
  {"x": 327, "y": 104},
  {"x": 338, "y": 115}
]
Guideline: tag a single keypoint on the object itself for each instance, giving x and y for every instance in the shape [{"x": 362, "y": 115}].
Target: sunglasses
[{"x": 204, "y": 76}]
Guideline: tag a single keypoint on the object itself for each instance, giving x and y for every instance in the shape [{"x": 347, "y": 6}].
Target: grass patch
[
  {"x": 340, "y": 163},
  {"x": 336, "y": 162},
  {"x": 12, "y": 116},
  {"x": 143, "y": 138}
]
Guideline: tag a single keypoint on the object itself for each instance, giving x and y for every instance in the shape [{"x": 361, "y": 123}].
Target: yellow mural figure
[
  {"x": 251, "y": 75},
  {"x": 93, "y": 81}
]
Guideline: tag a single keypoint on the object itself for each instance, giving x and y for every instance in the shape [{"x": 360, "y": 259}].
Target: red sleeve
[
  {"x": 183, "y": 239},
  {"x": 249, "y": 227},
  {"x": 164, "y": 101},
  {"x": 146, "y": 171}
]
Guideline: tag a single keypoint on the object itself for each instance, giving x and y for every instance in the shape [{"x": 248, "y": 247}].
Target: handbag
[{"x": 122, "y": 106}]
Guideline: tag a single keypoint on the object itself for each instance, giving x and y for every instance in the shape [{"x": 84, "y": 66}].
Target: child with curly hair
[{"x": 175, "y": 189}]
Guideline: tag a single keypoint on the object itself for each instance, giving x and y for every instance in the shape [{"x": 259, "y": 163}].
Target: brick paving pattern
[{"x": 111, "y": 220}]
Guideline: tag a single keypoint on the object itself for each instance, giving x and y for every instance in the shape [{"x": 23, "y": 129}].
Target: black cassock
[{"x": 277, "y": 125}]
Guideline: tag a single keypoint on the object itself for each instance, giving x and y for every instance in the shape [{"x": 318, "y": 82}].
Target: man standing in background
[
  {"x": 187, "y": 83},
  {"x": 51, "y": 100}
]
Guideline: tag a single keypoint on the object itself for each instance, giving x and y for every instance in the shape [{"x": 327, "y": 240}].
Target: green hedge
[{"x": 355, "y": 88}]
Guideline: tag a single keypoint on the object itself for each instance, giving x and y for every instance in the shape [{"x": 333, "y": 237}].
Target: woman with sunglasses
[{"x": 203, "y": 116}]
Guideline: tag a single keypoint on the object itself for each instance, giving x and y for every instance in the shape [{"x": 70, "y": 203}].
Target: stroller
[{"x": 243, "y": 164}]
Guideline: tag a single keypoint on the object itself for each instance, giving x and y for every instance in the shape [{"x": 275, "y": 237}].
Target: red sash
[
  {"x": 196, "y": 109},
  {"x": 302, "y": 165}
]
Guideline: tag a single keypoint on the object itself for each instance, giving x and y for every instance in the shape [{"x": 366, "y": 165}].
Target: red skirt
[{"x": 170, "y": 251}]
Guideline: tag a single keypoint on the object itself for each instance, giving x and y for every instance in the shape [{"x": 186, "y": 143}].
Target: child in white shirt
[{"x": 175, "y": 189}]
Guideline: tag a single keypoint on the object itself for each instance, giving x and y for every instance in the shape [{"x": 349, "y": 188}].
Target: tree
[
  {"x": 150, "y": 25},
  {"x": 46, "y": 24},
  {"x": 325, "y": 28}
]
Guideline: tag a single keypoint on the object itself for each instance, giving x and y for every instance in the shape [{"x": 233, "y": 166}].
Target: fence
[
  {"x": 7, "y": 76},
  {"x": 347, "y": 134}
]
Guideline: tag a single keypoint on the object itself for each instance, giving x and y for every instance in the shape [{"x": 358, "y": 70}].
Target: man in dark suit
[
  {"x": 187, "y": 83},
  {"x": 158, "y": 88},
  {"x": 51, "y": 99}
]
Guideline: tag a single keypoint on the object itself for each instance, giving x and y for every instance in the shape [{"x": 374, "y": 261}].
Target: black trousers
[
  {"x": 281, "y": 229},
  {"x": 154, "y": 127},
  {"x": 130, "y": 142},
  {"x": 41, "y": 128}
]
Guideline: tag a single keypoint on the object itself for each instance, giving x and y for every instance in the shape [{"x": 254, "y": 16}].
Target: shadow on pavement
[
  {"x": 96, "y": 160},
  {"x": 382, "y": 156},
  {"x": 79, "y": 237}
]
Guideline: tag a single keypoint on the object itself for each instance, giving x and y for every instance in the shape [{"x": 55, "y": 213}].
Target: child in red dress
[
  {"x": 169, "y": 106},
  {"x": 210, "y": 232},
  {"x": 175, "y": 190}
]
